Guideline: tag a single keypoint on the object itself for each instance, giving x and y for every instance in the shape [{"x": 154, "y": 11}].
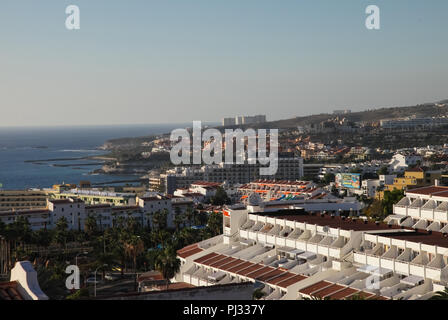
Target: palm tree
[
  {"x": 156, "y": 220},
  {"x": 440, "y": 295},
  {"x": 214, "y": 223},
  {"x": 132, "y": 224},
  {"x": 18, "y": 233},
  {"x": 61, "y": 234},
  {"x": 104, "y": 259},
  {"x": 134, "y": 247},
  {"x": 90, "y": 226},
  {"x": 196, "y": 217},
  {"x": 177, "y": 221},
  {"x": 119, "y": 222},
  {"x": 189, "y": 215},
  {"x": 167, "y": 264},
  {"x": 148, "y": 220},
  {"x": 42, "y": 238},
  {"x": 164, "y": 219},
  {"x": 114, "y": 218},
  {"x": 161, "y": 237},
  {"x": 100, "y": 218}
]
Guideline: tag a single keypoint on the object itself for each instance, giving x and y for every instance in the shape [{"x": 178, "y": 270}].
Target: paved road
[{"x": 119, "y": 286}]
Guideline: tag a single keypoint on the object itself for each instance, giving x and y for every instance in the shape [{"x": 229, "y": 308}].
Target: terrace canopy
[
  {"x": 375, "y": 270},
  {"x": 307, "y": 255},
  {"x": 412, "y": 280}
]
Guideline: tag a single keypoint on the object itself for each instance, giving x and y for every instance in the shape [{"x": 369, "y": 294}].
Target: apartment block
[
  {"x": 90, "y": 196},
  {"x": 415, "y": 178},
  {"x": 22, "y": 199},
  {"x": 289, "y": 168},
  {"x": 76, "y": 212},
  {"x": 401, "y": 162},
  {"x": 240, "y": 120},
  {"x": 294, "y": 254},
  {"x": 412, "y": 123}
]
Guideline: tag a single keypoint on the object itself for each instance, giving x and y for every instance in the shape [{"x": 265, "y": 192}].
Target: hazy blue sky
[{"x": 148, "y": 61}]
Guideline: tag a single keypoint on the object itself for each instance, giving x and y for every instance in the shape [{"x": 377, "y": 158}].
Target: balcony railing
[
  {"x": 304, "y": 245},
  {"x": 421, "y": 213},
  {"x": 399, "y": 266}
]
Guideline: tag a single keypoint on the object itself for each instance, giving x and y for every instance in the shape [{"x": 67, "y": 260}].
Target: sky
[{"x": 170, "y": 61}]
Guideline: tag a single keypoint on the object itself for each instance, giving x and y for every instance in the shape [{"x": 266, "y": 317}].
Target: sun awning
[
  {"x": 374, "y": 270},
  {"x": 412, "y": 280},
  {"x": 307, "y": 255},
  {"x": 247, "y": 242},
  {"x": 217, "y": 276},
  {"x": 396, "y": 217},
  {"x": 297, "y": 251},
  {"x": 289, "y": 250}
]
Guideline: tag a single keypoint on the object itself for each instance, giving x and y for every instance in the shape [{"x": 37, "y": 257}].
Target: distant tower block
[{"x": 240, "y": 120}]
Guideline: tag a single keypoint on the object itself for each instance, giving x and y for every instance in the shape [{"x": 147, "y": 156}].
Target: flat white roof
[
  {"x": 306, "y": 255},
  {"x": 412, "y": 280},
  {"x": 374, "y": 270}
]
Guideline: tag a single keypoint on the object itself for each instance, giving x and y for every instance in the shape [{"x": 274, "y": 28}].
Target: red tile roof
[
  {"x": 9, "y": 291},
  {"x": 225, "y": 260},
  {"x": 239, "y": 267},
  {"x": 432, "y": 190},
  {"x": 253, "y": 267},
  {"x": 315, "y": 287},
  {"x": 273, "y": 274},
  {"x": 260, "y": 272},
  {"x": 328, "y": 291},
  {"x": 339, "y": 295},
  {"x": 151, "y": 276},
  {"x": 282, "y": 277},
  {"x": 363, "y": 294},
  {"x": 206, "y": 257},
  {"x": 290, "y": 281},
  {"x": 207, "y": 184},
  {"x": 232, "y": 265},
  {"x": 189, "y": 247},
  {"x": 189, "y": 253},
  {"x": 214, "y": 259}
]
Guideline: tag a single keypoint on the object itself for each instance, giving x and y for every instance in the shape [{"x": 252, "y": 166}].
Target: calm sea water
[{"x": 20, "y": 144}]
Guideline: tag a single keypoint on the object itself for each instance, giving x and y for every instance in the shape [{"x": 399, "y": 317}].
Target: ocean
[{"x": 20, "y": 144}]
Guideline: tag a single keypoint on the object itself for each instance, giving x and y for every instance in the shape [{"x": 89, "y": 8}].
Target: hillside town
[{"x": 334, "y": 222}]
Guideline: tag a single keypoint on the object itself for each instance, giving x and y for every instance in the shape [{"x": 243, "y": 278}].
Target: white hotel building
[
  {"x": 296, "y": 254},
  {"x": 424, "y": 208},
  {"x": 76, "y": 212}
]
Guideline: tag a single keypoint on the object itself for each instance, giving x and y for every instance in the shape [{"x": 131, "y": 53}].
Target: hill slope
[{"x": 423, "y": 110}]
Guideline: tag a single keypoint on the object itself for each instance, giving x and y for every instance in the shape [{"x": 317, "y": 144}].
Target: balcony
[
  {"x": 400, "y": 210},
  {"x": 432, "y": 270},
  {"x": 413, "y": 212},
  {"x": 299, "y": 239}
]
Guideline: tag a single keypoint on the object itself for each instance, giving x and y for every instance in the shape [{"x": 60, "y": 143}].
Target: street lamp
[
  {"x": 104, "y": 265},
  {"x": 76, "y": 258}
]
